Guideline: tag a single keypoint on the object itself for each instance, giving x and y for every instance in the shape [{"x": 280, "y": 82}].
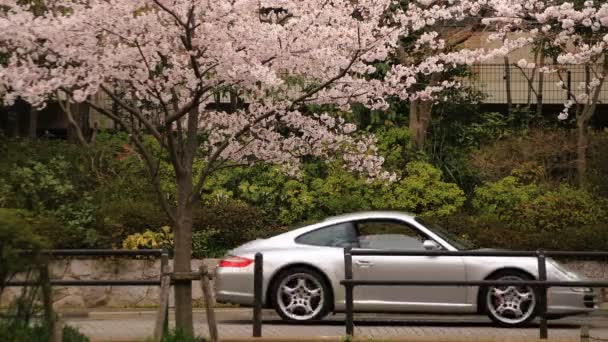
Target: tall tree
[{"x": 163, "y": 62}]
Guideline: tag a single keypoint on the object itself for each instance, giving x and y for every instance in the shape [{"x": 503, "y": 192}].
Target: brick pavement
[{"x": 136, "y": 327}]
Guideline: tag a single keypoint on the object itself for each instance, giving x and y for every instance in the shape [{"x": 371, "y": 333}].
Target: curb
[{"x": 390, "y": 339}]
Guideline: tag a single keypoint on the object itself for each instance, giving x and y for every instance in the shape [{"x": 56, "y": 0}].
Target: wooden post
[
  {"x": 162, "y": 314},
  {"x": 585, "y": 333},
  {"x": 208, "y": 297},
  {"x": 47, "y": 297},
  {"x": 58, "y": 330}
]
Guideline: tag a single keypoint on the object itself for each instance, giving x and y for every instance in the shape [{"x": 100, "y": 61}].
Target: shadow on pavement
[{"x": 403, "y": 323}]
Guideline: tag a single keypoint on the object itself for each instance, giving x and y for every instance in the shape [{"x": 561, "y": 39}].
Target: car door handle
[{"x": 364, "y": 263}]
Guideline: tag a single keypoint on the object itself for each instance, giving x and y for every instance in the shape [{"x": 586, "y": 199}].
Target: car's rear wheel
[
  {"x": 301, "y": 294},
  {"x": 510, "y": 306}
]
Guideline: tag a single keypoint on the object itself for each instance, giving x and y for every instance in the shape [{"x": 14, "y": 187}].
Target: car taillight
[{"x": 235, "y": 261}]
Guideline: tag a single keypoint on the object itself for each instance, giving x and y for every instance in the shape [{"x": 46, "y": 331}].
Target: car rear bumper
[{"x": 234, "y": 285}]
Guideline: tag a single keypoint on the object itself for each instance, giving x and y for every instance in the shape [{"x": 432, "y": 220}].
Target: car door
[{"x": 396, "y": 234}]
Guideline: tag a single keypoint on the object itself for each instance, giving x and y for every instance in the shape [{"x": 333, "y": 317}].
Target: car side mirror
[{"x": 431, "y": 245}]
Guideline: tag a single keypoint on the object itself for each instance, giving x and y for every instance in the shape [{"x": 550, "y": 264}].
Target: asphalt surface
[{"x": 237, "y": 323}]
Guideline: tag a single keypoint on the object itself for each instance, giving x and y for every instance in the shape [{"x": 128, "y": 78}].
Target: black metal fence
[
  {"x": 541, "y": 283},
  {"x": 161, "y": 325}
]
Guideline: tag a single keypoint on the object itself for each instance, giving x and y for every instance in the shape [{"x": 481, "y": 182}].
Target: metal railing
[
  {"x": 161, "y": 325},
  {"x": 54, "y": 253},
  {"x": 541, "y": 283}
]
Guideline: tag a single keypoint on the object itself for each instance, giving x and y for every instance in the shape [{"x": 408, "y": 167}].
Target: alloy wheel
[
  {"x": 511, "y": 305},
  {"x": 300, "y": 296}
]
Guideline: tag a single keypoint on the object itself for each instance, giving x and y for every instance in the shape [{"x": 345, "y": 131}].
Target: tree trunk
[
  {"x": 508, "y": 84},
  {"x": 183, "y": 251},
  {"x": 541, "y": 83},
  {"x": 583, "y": 119},
  {"x": 420, "y": 117},
  {"x": 33, "y": 123},
  {"x": 12, "y": 122},
  {"x": 582, "y": 142}
]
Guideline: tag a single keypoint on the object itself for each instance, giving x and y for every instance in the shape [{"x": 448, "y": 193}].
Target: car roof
[
  {"x": 290, "y": 236},
  {"x": 362, "y": 215},
  {"x": 371, "y": 214}
]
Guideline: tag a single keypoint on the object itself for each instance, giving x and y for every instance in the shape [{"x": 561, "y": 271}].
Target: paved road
[{"x": 236, "y": 323}]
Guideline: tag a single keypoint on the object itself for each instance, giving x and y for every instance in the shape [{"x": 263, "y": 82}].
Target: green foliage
[
  {"x": 490, "y": 232},
  {"x": 150, "y": 239},
  {"x": 225, "y": 225},
  {"x": 180, "y": 336},
  {"x": 535, "y": 207},
  {"x": 501, "y": 198},
  {"x": 546, "y": 156},
  {"x": 203, "y": 246},
  {"x": 17, "y": 232},
  {"x": 329, "y": 189},
  {"x": 37, "y": 333},
  {"x": 598, "y": 163}
]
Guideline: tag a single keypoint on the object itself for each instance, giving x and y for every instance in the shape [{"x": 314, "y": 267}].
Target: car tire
[
  {"x": 510, "y": 306},
  {"x": 301, "y": 294}
]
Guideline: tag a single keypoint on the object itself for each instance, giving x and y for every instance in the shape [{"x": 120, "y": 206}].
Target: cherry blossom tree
[{"x": 163, "y": 62}]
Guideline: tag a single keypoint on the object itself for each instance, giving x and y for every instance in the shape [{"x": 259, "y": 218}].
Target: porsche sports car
[{"x": 303, "y": 269}]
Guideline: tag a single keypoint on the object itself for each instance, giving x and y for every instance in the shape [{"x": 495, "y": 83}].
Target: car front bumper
[{"x": 565, "y": 300}]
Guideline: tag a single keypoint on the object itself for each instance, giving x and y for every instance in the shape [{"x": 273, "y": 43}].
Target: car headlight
[{"x": 563, "y": 273}]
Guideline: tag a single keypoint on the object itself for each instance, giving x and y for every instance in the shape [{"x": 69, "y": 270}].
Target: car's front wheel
[
  {"x": 510, "y": 305},
  {"x": 301, "y": 294}
]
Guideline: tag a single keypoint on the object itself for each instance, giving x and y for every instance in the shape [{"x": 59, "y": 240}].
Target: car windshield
[{"x": 443, "y": 233}]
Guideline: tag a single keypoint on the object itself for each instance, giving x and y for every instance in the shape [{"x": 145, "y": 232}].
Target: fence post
[
  {"x": 258, "y": 277},
  {"x": 348, "y": 292},
  {"x": 162, "y": 316},
  {"x": 164, "y": 268},
  {"x": 58, "y": 330},
  {"x": 206, "y": 287},
  {"x": 47, "y": 295},
  {"x": 569, "y": 84},
  {"x": 542, "y": 301}
]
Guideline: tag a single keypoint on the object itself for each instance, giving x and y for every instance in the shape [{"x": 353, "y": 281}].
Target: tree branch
[
  {"x": 65, "y": 107},
  {"x": 149, "y": 160}
]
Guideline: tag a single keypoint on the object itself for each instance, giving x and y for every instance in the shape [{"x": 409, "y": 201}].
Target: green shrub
[
  {"x": 150, "y": 239},
  {"x": 490, "y": 232},
  {"x": 548, "y": 155},
  {"x": 126, "y": 217},
  {"x": 501, "y": 198},
  {"x": 202, "y": 244},
  {"x": 229, "y": 224},
  {"x": 422, "y": 191},
  {"x": 511, "y": 213},
  {"x": 17, "y": 232},
  {"x": 37, "y": 333},
  {"x": 180, "y": 336},
  {"x": 534, "y": 207}
]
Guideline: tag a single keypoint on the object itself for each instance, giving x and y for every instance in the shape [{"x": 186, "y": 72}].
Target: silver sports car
[{"x": 303, "y": 269}]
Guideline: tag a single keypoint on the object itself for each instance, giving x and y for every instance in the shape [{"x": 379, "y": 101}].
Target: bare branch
[
  {"x": 65, "y": 107},
  {"x": 153, "y": 171},
  {"x": 173, "y": 14},
  {"x": 136, "y": 113}
]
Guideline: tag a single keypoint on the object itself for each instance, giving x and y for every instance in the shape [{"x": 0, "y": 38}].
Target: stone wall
[
  {"x": 108, "y": 296},
  {"x": 147, "y": 296}
]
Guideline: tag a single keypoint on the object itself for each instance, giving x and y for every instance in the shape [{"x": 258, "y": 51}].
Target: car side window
[
  {"x": 338, "y": 235},
  {"x": 389, "y": 234}
]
